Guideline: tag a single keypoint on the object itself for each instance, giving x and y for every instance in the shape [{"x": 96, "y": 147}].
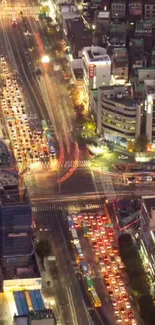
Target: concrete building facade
[
  {"x": 97, "y": 67},
  {"x": 118, "y": 115}
]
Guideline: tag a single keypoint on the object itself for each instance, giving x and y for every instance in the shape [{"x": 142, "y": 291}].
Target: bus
[
  {"x": 70, "y": 222},
  {"x": 79, "y": 250},
  {"x": 44, "y": 125},
  {"x": 84, "y": 267},
  {"x": 89, "y": 282},
  {"x": 51, "y": 147},
  {"x": 74, "y": 234},
  {"x": 85, "y": 229},
  {"x": 95, "y": 298}
]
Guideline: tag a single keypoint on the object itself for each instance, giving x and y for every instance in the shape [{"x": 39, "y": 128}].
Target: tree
[
  {"x": 147, "y": 310},
  {"x": 141, "y": 143},
  {"x": 43, "y": 249},
  {"x": 44, "y": 10}
]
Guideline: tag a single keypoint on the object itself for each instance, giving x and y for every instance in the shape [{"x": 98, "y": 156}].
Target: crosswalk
[
  {"x": 27, "y": 10},
  {"x": 104, "y": 184},
  {"x": 70, "y": 208},
  {"x": 75, "y": 163}
]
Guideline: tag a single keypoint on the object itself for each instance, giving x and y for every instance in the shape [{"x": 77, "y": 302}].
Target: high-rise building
[
  {"x": 118, "y": 115},
  {"x": 147, "y": 233},
  {"x": 97, "y": 67}
]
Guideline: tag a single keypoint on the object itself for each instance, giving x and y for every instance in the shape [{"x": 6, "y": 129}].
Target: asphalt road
[{"x": 66, "y": 285}]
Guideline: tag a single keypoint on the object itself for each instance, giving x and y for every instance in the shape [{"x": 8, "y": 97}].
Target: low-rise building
[
  {"x": 78, "y": 36},
  {"x": 120, "y": 65},
  {"x": 117, "y": 34},
  {"x": 97, "y": 67},
  {"x": 118, "y": 115},
  {"x": 147, "y": 234},
  {"x": 149, "y": 9},
  {"x": 15, "y": 219},
  {"x": 135, "y": 9},
  {"x": 144, "y": 30},
  {"x": 118, "y": 9},
  {"x": 42, "y": 317},
  {"x": 153, "y": 56},
  {"x": 136, "y": 54}
]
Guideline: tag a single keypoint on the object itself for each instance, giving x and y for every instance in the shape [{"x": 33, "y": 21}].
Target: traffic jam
[
  {"x": 30, "y": 145},
  {"x": 100, "y": 232}
]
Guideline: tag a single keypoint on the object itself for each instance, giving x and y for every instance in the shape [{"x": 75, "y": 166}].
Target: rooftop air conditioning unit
[{"x": 119, "y": 95}]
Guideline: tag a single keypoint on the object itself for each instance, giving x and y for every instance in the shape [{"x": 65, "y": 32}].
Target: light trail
[
  {"x": 39, "y": 43},
  {"x": 73, "y": 169}
]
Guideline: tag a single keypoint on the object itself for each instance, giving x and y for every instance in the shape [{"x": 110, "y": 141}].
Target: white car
[{"x": 123, "y": 157}]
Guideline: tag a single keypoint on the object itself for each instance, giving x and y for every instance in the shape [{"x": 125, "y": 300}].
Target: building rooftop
[
  {"x": 118, "y": 1},
  {"x": 5, "y": 156},
  {"x": 126, "y": 101},
  {"x": 42, "y": 317},
  {"x": 149, "y": 202},
  {"x": 143, "y": 26},
  {"x": 96, "y": 54},
  {"x": 29, "y": 272},
  {"x": 112, "y": 88},
  {"x": 10, "y": 189},
  {"x": 21, "y": 320}
]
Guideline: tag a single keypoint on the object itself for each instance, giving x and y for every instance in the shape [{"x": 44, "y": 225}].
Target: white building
[
  {"x": 150, "y": 110},
  {"x": 118, "y": 115},
  {"x": 147, "y": 234},
  {"x": 97, "y": 67}
]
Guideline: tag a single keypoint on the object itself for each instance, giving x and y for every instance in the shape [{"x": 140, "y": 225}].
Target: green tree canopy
[{"x": 141, "y": 143}]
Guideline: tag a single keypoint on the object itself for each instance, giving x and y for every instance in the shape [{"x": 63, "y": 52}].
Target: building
[
  {"x": 15, "y": 219},
  {"x": 42, "y": 317},
  {"x": 153, "y": 56},
  {"x": 135, "y": 9},
  {"x": 120, "y": 64},
  {"x": 150, "y": 110},
  {"x": 17, "y": 254},
  {"x": 6, "y": 160},
  {"x": 117, "y": 34},
  {"x": 136, "y": 54},
  {"x": 149, "y": 9},
  {"x": 118, "y": 9},
  {"x": 97, "y": 67},
  {"x": 78, "y": 36},
  {"x": 143, "y": 30},
  {"x": 118, "y": 115},
  {"x": 147, "y": 234}
]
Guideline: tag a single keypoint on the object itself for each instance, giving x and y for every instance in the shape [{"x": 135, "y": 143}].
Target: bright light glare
[{"x": 45, "y": 59}]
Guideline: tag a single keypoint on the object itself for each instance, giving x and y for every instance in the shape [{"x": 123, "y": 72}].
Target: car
[
  {"x": 127, "y": 305},
  {"x": 123, "y": 157},
  {"x": 130, "y": 314}
]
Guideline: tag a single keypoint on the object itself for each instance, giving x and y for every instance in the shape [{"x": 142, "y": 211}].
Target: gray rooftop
[{"x": 149, "y": 202}]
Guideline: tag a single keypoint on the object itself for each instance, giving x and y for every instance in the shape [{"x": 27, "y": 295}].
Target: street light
[{"x": 45, "y": 59}]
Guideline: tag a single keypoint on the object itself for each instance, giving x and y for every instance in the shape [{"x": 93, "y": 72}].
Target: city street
[{"x": 46, "y": 97}]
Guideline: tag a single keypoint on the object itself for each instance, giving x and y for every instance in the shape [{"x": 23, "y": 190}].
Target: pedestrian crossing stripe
[{"x": 73, "y": 208}]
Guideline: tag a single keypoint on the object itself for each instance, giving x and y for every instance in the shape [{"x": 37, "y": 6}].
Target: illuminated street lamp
[{"x": 45, "y": 59}]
